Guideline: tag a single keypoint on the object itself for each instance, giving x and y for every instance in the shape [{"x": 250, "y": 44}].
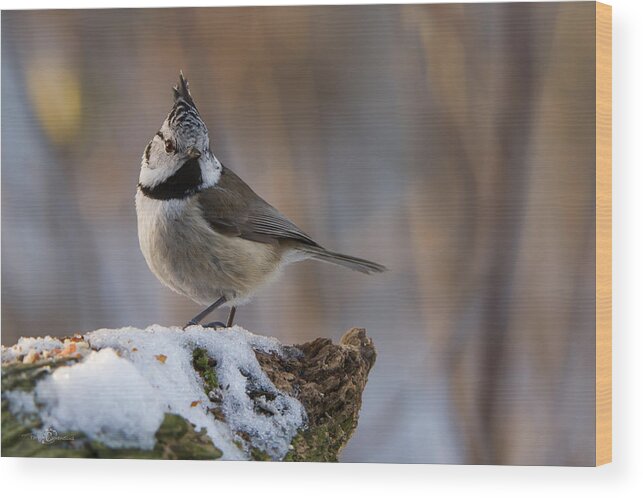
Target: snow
[
  {"x": 35, "y": 344},
  {"x": 119, "y": 394},
  {"x": 21, "y": 402},
  {"x": 124, "y": 411}
]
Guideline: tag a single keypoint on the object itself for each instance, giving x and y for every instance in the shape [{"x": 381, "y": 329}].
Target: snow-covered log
[{"x": 194, "y": 394}]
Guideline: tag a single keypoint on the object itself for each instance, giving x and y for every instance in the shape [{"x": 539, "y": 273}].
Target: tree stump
[{"x": 194, "y": 394}]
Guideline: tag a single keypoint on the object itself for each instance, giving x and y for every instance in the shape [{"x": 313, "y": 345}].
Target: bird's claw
[
  {"x": 215, "y": 325},
  {"x": 211, "y": 325}
]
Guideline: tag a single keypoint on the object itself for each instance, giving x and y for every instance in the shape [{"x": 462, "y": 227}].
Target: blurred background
[{"x": 452, "y": 143}]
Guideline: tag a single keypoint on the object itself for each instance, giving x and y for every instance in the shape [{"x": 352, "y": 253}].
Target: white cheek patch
[
  {"x": 210, "y": 171},
  {"x": 151, "y": 177}
]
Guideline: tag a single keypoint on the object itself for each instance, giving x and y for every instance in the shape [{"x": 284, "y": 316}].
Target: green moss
[
  {"x": 17, "y": 440},
  {"x": 205, "y": 367},
  {"x": 259, "y": 455},
  {"x": 177, "y": 439},
  {"x": 322, "y": 443}
]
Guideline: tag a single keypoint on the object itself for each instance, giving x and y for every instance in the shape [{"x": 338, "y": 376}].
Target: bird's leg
[
  {"x": 197, "y": 319},
  {"x": 230, "y": 321},
  {"x": 221, "y": 325}
]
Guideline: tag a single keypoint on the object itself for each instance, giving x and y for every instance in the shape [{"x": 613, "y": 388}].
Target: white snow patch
[
  {"x": 26, "y": 344},
  {"x": 21, "y": 402},
  {"x": 238, "y": 373},
  {"x": 104, "y": 397},
  {"x": 120, "y": 394}
]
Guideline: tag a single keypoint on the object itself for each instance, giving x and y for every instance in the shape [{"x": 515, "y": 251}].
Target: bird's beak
[{"x": 194, "y": 153}]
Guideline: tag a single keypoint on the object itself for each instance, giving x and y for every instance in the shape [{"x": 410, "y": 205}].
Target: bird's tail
[{"x": 357, "y": 264}]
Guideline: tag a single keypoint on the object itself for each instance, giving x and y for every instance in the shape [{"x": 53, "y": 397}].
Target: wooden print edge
[{"x": 603, "y": 233}]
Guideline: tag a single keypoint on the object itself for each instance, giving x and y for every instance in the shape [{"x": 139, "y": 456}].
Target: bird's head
[{"x": 183, "y": 137}]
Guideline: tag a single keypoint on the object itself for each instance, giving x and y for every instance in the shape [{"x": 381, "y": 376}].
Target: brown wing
[{"x": 231, "y": 207}]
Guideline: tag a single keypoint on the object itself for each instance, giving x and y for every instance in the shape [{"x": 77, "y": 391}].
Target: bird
[{"x": 203, "y": 232}]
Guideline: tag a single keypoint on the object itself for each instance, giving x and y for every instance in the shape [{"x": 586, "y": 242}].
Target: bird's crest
[{"x": 182, "y": 91}]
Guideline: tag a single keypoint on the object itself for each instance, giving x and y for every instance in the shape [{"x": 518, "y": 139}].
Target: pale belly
[{"x": 190, "y": 258}]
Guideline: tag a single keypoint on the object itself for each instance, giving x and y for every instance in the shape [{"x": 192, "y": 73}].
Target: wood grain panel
[
  {"x": 456, "y": 144},
  {"x": 603, "y": 234}
]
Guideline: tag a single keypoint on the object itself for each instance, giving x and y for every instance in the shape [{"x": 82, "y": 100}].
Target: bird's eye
[{"x": 169, "y": 146}]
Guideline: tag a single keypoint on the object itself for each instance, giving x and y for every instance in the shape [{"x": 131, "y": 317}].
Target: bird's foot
[{"x": 215, "y": 325}]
